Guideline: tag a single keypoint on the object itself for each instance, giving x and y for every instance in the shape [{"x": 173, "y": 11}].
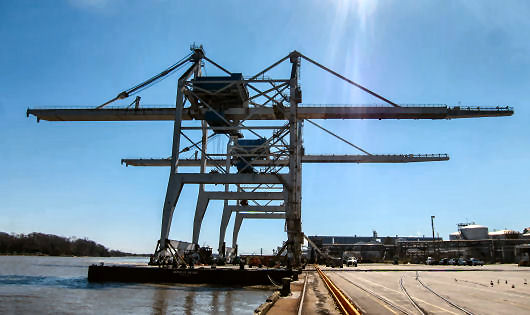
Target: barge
[{"x": 201, "y": 275}]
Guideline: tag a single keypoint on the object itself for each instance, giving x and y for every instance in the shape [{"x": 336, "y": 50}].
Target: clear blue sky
[{"x": 66, "y": 178}]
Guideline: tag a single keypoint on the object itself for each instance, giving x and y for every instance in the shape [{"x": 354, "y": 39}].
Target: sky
[{"x": 65, "y": 178}]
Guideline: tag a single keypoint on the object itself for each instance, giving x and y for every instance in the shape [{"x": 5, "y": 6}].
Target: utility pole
[{"x": 432, "y": 225}]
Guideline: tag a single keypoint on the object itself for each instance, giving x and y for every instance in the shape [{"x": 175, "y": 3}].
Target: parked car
[
  {"x": 461, "y": 261},
  {"x": 443, "y": 261},
  {"x": 430, "y": 261},
  {"x": 475, "y": 262},
  {"x": 451, "y": 261},
  {"x": 352, "y": 261}
]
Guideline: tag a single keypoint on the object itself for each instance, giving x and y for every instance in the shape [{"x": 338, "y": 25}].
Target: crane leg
[
  {"x": 200, "y": 210},
  {"x": 237, "y": 227},
  {"x": 174, "y": 189},
  {"x": 224, "y": 224}
]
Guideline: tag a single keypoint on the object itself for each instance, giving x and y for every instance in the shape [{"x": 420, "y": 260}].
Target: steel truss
[{"x": 266, "y": 172}]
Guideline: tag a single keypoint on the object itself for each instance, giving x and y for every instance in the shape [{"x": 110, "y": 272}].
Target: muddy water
[{"x": 58, "y": 285}]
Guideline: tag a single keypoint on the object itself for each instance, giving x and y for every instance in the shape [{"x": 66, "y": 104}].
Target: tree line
[{"x": 52, "y": 245}]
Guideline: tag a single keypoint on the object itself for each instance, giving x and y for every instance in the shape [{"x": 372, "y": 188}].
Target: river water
[{"x": 58, "y": 285}]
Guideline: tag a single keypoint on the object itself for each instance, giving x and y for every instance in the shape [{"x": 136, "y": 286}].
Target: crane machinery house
[
  {"x": 248, "y": 151},
  {"x": 217, "y": 94}
]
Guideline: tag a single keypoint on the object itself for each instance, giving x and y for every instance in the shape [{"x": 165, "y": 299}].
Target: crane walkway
[
  {"x": 329, "y": 158},
  {"x": 267, "y": 113}
]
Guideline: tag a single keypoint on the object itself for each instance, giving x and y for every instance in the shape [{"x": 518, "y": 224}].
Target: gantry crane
[
  {"x": 268, "y": 212},
  {"x": 254, "y": 167}
]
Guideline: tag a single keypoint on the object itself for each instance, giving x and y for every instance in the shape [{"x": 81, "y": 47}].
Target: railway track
[
  {"x": 389, "y": 303},
  {"x": 412, "y": 301},
  {"x": 378, "y": 296},
  {"x": 302, "y": 296},
  {"x": 442, "y": 297},
  {"x": 344, "y": 304}
]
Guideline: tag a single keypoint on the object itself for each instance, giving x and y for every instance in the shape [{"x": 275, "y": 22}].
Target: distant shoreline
[
  {"x": 44, "y": 255},
  {"x": 40, "y": 244}
]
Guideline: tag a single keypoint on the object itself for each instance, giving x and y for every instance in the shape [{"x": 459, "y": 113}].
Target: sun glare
[{"x": 350, "y": 32}]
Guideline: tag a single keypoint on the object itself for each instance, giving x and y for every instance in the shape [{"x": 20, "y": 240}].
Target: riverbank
[{"x": 40, "y": 244}]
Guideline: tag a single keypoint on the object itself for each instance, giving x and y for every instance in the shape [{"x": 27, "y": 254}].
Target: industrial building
[
  {"x": 365, "y": 248},
  {"x": 345, "y": 240},
  {"x": 471, "y": 240},
  {"x": 472, "y": 231}
]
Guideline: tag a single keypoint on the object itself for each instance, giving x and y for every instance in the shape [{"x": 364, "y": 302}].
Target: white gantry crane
[{"x": 262, "y": 118}]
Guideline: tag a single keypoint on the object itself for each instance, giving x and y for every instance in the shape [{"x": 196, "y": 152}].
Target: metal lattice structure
[{"x": 260, "y": 171}]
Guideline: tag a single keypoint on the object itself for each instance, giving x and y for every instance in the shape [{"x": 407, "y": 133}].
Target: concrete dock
[{"x": 419, "y": 289}]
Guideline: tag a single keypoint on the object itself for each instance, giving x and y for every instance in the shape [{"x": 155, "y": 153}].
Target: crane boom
[
  {"x": 267, "y": 113},
  {"x": 379, "y": 158}
]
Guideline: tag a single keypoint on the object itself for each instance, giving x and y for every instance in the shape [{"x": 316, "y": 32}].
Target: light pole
[{"x": 432, "y": 225}]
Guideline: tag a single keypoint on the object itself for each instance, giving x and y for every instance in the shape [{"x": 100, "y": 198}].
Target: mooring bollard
[
  {"x": 286, "y": 287},
  {"x": 295, "y": 276}
]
